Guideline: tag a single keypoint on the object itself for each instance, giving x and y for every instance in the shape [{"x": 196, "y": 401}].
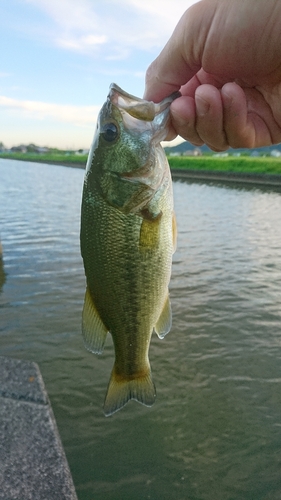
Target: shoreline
[
  {"x": 273, "y": 180},
  {"x": 71, "y": 164},
  {"x": 236, "y": 177}
]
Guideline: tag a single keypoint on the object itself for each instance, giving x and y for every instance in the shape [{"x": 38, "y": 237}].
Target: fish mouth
[
  {"x": 141, "y": 116},
  {"x": 135, "y": 106}
]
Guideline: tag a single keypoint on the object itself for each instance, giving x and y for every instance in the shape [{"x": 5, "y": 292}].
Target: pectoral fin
[
  {"x": 93, "y": 330},
  {"x": 150, "y": 230},
  {"x": 164, "y": 323}
]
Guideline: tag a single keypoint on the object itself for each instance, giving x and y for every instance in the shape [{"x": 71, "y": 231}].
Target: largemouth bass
[{"x": 128, "y": 236}]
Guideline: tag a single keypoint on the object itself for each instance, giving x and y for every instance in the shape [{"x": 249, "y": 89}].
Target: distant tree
[{"x": 31, "y": 148}]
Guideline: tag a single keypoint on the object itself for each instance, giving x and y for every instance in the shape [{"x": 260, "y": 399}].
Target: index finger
[{"x": 180, "y": 59}]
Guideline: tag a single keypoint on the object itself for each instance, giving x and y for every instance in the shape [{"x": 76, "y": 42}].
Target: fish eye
[{"x": 109, "y": 132}]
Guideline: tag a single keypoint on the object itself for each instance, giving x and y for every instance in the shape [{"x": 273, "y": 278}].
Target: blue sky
[{"x": 59, "y": 57}]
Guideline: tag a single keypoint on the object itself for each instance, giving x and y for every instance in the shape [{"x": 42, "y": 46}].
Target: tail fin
[{"x": 121, "y": 390}]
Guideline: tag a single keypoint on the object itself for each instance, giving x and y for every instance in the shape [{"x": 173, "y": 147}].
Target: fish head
[{"x": 124, "y": 157}]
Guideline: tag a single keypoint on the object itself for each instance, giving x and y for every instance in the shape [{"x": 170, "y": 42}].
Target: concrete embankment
[
  {"x": 219, "y": 176},
  {"x": 33, "y": 464}
]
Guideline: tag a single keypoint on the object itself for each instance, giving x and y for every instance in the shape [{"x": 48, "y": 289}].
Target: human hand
[{"x": 225, "y": 58}]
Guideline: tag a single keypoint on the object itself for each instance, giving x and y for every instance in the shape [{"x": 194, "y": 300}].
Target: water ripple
[{"x": 214, "y": 432}]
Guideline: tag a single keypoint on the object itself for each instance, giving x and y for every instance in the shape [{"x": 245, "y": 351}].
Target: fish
[{"x": 128, "y": 237}]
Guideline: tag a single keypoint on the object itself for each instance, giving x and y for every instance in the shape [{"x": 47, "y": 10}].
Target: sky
[{"x": 58, "y": 58}]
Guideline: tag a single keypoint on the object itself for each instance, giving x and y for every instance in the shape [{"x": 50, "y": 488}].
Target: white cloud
[
  {"x": 75, "y": 25},
  {"x": 76, "y": 115},
  {"x": 81, "y": 43},
  {"x": 169, "y": 9},
  {"x": 120, "y": 25},
  {"x": 69, "y": 14}
]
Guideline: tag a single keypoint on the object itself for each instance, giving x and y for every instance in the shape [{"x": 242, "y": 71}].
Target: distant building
[
  {"x": 192, "y": 152},
  {"x": 41, "y": 150},
  {"x": 224, "y": 154},
  {"x": 275, "y": 153},
  {"x": 82, "y": 152},
  {"x": 19, "y": 149}
]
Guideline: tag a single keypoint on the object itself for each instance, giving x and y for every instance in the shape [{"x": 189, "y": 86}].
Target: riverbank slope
[{"x": 261, "y": 170}]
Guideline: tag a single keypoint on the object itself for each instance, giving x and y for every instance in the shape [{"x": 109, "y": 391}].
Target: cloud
[
  {"x": 74, "y": 25},
  {"x": 81, "y": 43},
  {"x": 116, "y": 26},
  {"x": 168, "y": 9},
  {"x": 76, "y": 115},
  {"x": 69, "y": 14}
]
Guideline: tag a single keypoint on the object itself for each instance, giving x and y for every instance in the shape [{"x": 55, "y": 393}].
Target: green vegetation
[
  {"x": 241, "y": 164},
  {"x": 49, "y": 157}
]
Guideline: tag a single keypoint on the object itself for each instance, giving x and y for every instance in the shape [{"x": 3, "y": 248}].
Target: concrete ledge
[
  {"x": 33, "y": 465},
  {"x": 238, "y": 177}
]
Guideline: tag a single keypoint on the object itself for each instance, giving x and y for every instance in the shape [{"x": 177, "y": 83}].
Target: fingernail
[{"x": 202, "y": 106}]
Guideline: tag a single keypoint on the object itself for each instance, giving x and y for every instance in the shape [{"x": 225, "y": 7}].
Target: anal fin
[
  {"x": 93, "y": 330},
  {"x": 164, "y": 323}
]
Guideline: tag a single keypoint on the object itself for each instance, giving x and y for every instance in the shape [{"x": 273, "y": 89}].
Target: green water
[{"x": 214, "y": 432}]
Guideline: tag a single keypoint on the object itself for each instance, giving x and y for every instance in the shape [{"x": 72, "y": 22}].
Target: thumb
[{"x": 180, "y": 59}]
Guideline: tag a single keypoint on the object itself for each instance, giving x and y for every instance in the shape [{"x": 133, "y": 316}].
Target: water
[{"x": 214, "y": 432}]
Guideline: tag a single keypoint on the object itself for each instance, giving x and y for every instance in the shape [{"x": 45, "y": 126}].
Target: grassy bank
[
  {"x": 241, "y": 164},
  {"x": 47, "y": 157}
]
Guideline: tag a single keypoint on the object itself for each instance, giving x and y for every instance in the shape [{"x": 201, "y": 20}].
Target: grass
[
  {"x": 47, "y": 157},
  {"x": 241, "y": 164}
]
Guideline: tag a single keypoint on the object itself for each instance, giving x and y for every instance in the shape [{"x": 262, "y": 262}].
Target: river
[{"x": 214, "y": 432}]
